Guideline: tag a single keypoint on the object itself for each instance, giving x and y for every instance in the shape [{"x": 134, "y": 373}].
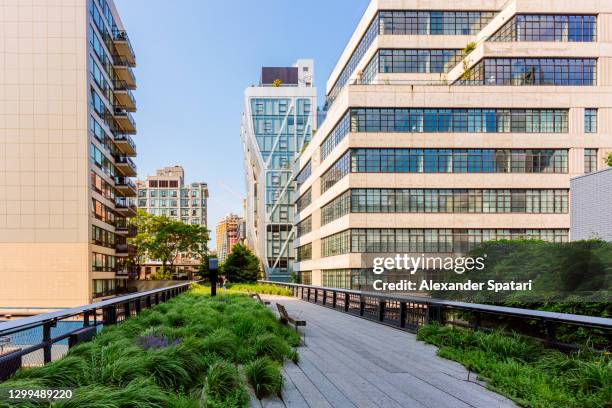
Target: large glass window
[
  {"x": 337, "y": 208},
  {"x": 532, "y": 71},
  {"x": 434, "y": 22},
  {"x": 457, "y": 161},
  {"x": 304, "y": 201},
  {"x": 335, "y": 136},
  {"x": 548, "y": 27},
  {"x": 403, "y": 240},
  {"x": 412, "y": 61},
  {"x": 336, "y": 172},
  {"x": 459, "y": 120},
  {"x": 304, "y": 227},
  {"x": 452, "y": 201},
  {"x": 304, "y": 252},
  {"x": 413, "y": 23}
]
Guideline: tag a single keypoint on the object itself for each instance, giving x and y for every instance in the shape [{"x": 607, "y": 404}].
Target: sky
[{"x": 194, "y": 60}]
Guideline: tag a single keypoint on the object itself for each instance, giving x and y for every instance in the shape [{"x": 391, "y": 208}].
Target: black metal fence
[
  {"x": 410, "y": 312},
  {"x": 37, "y": 340}
]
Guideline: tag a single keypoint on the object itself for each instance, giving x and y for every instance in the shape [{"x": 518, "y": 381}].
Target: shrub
[
  {"x": 272, "y": 346},
  {"x": 265, "y": 377},
  {"x": 223, "y": 384}
]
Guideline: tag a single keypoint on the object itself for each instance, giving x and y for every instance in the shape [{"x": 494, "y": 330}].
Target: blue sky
[{"x": 195, "y": 57}]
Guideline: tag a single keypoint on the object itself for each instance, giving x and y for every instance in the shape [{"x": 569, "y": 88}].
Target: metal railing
[
  {"x": 123, "y": 137},
  {"x": 410, "y": 312},
  {"x": 37, "y": 340}
]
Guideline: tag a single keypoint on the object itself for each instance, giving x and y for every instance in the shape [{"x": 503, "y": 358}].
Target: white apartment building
[
  {"x": 66, "y": 151},
  {"x": 450, "y": 123},
  {"x": 278, "y": 122}
]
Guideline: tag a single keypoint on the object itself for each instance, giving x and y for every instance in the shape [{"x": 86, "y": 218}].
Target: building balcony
[
  {"x": 124, "y": 99},
  {"x": 125, "y": 121},
  {"x": 126, "y": 230},
  {"x": 124, "y": 250},
  {"x": 123, "y": 46},
  {"x": 125, "y": 144},
  {"x": 125, "y": 165},
  {"x": 125, "y": 186},
  {"x": 125, "y": 207},
  {"x": 123, "y": 70}
]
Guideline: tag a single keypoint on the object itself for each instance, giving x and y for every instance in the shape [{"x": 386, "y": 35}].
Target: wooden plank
[
  {"x": 291, "y": 395},
  {"x": 309, "y": 392},
  {"x": 353, "y": 362}
]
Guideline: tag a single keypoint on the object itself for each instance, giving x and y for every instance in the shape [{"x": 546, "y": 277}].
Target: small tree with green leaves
[
  {"x": 609, "y": 159},
  {"x": 241, "y": 265}
]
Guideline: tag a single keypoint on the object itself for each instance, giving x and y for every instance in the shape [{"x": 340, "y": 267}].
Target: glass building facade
[{"x": 277, "y": 125}]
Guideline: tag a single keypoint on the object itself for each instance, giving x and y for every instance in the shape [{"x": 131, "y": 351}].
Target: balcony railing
[
  {"x": 125, "y": 160},
  {"x": 128, "y": 230},
  {"x": 120, "y": 36},
  {"x": 124, "y": 97},
  {"x": 125, "y": 182},
  {"x": 125, "y": 120},
  {"x": 123, "y": 68},
  {"x": 122, "y": 203},
  {"x": 124, "y": 138},
  {"x": 126, "y": 249}
]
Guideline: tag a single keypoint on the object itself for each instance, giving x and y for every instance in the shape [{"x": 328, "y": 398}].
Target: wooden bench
[
  {"x": 255, "y": 295},
  {"x": 286, "y": 319}
]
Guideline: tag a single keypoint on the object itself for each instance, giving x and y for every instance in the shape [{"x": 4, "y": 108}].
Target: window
[
  {"x": 336, "y": 172},
  {"x": 402, "y": 120},
  {"x": 590, "y": 160},
  {"x": 304, "y": 227},
  {"x": 548, "y": 27},
  {"x": 453, "y": 161},
  {"x": 533, "y": 71},
  {"x": 304, "y": 200},
  {"x": 590, "y": 120},
  {"x": 337, "y": 208},
  {"x": 304, "y": 252}
]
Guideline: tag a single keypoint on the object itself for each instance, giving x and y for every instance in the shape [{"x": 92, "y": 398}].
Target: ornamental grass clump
[
  {"x": 265, "y": 377},
  {"x": 190, "y": 351},
  {"x": 527, "y": 371}
]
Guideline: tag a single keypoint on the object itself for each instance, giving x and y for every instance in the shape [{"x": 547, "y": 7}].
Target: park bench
[
  {"x": 255, "y": 295},
  {"x": 286, "y": 319}
]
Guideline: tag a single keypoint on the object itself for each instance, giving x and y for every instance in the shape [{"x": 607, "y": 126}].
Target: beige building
[
  {"x": 450, "y": 123},
  {"x": 230, "y": 231},
  {"x": 66, "y": 84},
  {"x": 166, "y": 193}
]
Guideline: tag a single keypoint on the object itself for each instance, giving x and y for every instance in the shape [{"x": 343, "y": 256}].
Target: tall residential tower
[
  {"x": 278, "y": 122},
  {"x": 450, "y": 123},
  {"x": 66, "y": 152}
]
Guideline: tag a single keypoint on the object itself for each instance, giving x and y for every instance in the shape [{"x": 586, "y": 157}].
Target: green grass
[
  {"x": 526, "y": 371},
  {"x": 264, "y": 289},
  {"x": 191, "y": 351},
  {"x": 265, "y": 377}
]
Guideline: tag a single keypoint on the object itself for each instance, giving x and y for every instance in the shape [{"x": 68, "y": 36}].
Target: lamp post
[{"x": 213, "y": 266}]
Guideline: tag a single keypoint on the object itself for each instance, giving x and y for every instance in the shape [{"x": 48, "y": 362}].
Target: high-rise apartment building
[
  {"x": 66, "y": 152},
  {"x": 230, "y": 231},
  {"x": 165, "y": 193},
  {"x": 278, "y": 122},
  {"x": 450, "y": 123}
]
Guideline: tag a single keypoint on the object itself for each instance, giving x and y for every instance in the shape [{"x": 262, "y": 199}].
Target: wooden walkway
[{"x": 351, "y": 362}]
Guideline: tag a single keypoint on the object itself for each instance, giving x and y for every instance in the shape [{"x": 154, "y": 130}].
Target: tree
[
  {"x": 175, "y": 237},
  {"x": 609, "y": 159},
  {"x": 159, "y": 237},
  {"x": 241, "y": 265}
]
